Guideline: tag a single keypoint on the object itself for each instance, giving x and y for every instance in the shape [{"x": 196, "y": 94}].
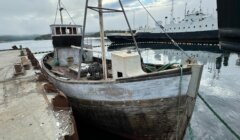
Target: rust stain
[
  {"x": 60, "y": 102},
  {"x": 49, "y": 88}
]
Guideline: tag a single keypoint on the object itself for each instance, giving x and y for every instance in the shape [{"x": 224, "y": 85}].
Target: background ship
[{"x": 196, "y": 26}]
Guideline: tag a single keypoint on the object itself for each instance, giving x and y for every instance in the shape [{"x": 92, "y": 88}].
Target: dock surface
[{"x": 24, "y": 112}]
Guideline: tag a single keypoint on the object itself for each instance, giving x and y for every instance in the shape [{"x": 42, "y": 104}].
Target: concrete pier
[{"x": 26, "y": 112}]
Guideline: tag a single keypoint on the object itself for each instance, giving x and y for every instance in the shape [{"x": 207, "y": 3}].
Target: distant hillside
[
  {"x": 95, "y": 34},
  {"x": 43, "y": 37},
  {"x": 7, "y": 38}
]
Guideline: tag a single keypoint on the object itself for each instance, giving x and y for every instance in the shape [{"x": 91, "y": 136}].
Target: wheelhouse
[{"x": 66, "y": 35}]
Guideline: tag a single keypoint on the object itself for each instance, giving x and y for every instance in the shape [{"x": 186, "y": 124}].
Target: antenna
[{"x": 60, "y": 7}]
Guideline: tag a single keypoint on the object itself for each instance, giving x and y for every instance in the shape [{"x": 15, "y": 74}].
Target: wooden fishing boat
[{"x": 126, "y": 97}]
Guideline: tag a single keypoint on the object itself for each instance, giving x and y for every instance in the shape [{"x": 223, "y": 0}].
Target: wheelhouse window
[
  {"x": 69, "y": 30},
  {"x": 65, "y": 29},
  {"x": 58, "y": 31},
  {"x": 119, "y": 74}
]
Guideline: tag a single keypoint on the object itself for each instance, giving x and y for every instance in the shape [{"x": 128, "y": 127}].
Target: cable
[
  {"x": 174, "y": 43},
  {"x": 68, "y": 13},
  {"x": 56, "y": 15}
]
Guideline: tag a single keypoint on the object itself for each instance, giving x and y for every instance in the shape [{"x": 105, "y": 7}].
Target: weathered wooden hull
[
  {"x": 149, "y": 119},
  {"x": 138, "y": 108}
]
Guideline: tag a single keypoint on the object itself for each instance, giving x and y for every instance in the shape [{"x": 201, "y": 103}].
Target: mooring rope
[
  {"x": 190, "y": 131},
  {"x": 179, "y": 101},
  {"x": 219, "y": 117}
]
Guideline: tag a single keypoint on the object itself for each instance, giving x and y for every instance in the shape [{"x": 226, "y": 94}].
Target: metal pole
[
  {"x": 185, "y": 12},
  {"x": 134, "y": 18},
  {"x": 82, "y": 41},
  {"x": 104, "y": 64},
  {"x": 60, "y": 9},
  {"x": 134, "y": 40}
]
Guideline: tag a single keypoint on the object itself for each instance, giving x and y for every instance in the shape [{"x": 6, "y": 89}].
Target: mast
[
  {"x": 102, "y": 10},
  {"x": 134, "y": 40},
  {"x": 185, "y": 12},
  {"x": 134, "y": 19},
  {"x": 82, "y": 41},
  {"x": 200, "y": 6},
  {"x": 102, "y": 39},
  {"x": 172, "y": 10},
  {"x": 60, "y": 9}
]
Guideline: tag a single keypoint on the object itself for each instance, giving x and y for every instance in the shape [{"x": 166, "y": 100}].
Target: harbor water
[{"x": 220, "y": 86}]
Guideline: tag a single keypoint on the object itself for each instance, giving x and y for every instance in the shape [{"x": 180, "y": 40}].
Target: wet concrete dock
[{"x": 26, "y": 112}]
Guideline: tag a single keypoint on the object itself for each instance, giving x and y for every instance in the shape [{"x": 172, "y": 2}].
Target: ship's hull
[
  {"x": 229, "y": 24},
  {"x": 186, "y": 37},
  {"x": 145, "y": 107},
  {"x": 120, "y": 38}
]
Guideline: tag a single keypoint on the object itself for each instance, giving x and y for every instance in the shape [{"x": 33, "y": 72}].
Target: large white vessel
[{"x": 196, "y": 26}]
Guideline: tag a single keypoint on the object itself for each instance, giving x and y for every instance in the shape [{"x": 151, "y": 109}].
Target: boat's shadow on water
[{"x": 86, "y": 131}]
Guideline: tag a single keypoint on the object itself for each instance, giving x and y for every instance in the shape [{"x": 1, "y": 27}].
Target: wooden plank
[{"x": 57, "y": 72}]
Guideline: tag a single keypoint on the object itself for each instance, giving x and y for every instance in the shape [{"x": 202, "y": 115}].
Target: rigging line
[
  {"x": 134, "y": 40},
  {"x": 68, "y": 13},
  {"x": 174, "y": 43},
  {"x": 56, "y": 15}
]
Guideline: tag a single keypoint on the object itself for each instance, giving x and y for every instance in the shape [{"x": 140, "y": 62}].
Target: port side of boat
[{"x": 138, "y": 107}]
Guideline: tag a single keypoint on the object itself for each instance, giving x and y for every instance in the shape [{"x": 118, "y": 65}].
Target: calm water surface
[{"x": 220, "y": 87}]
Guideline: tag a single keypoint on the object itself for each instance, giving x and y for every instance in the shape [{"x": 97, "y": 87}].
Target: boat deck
[{"x": 24, "y": 111}]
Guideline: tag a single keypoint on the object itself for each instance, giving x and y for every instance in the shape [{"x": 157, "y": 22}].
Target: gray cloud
[{"x": 35, "y": 16}]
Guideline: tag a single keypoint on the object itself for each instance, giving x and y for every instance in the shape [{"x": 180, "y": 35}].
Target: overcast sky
[{"x": 24, "y": 17}]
